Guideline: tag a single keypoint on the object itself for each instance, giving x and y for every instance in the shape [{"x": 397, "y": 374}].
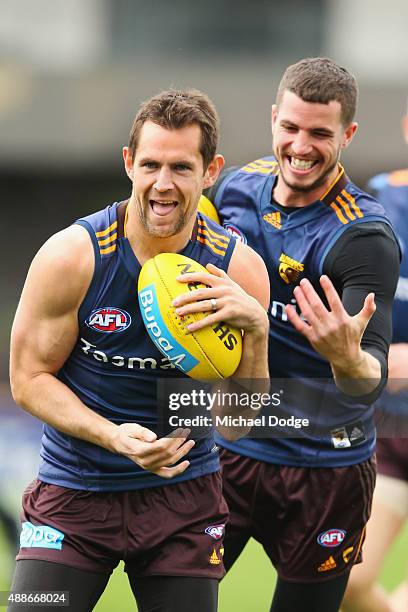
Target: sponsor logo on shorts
[
  {"x": 108, "y": 320},
  {"x": 215, "y": 531},
  {"x": 214, "y": 558},
  {"x": 347, "y": 554},
  {"x": 331, "y": 537},
  {"x": 40, "y": 536},
  {"x": 327, "y": 565},
  {"x": 235, "y": 232}
]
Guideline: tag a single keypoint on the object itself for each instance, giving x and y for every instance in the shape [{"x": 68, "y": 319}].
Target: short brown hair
[
  {"x": 175, "y": 109},
  {"x": 319, "y": 79}
]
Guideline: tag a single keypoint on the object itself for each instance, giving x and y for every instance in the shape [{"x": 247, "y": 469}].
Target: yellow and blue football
[
  {"x": 213, "y": 352},
  {"x": 208, "y": 209}
]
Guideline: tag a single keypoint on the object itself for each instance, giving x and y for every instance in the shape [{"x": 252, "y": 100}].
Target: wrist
[
  {"x": 259, "y": 330},
  {"x": 350, "y": 364},
  {"x": 109, "y": 436}
]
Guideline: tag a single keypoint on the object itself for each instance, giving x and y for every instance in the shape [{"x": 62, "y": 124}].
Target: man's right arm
[{"x": 44, "y": 333}]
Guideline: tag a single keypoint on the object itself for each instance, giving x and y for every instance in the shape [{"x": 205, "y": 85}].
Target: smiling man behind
[{"x": 328, "y": 248}]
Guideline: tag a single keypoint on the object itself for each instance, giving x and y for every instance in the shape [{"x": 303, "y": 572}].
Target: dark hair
[
  {"x": 175, "y": 109},
  {"x": 319, "y": 79}
]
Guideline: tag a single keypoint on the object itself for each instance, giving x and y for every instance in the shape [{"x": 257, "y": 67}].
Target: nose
[
  {"x": 164, "y": 181},
  {"x": 301, "y": 144}
]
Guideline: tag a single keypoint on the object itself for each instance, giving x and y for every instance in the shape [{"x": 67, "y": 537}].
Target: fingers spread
[
  {"x": 304, "y": 305},
  {"x": 309, "y": 294},
  {"x": 331, "y": 294},
  {"x": 296, "y": 321}
]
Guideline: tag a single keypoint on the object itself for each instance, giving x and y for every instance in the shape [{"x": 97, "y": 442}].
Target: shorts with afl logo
[
  {"x": 310, "y": 521},
  {"x": 172, "y": 530}
]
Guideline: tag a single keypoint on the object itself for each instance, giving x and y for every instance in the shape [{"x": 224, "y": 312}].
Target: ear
[
  {"x": 128, "y": 162},
  {"x": 213, "y": 171},
  {"x": 348, "y": 134},
  {"x": 405, "y": 127},
  {"x": 274, "y": 115}
]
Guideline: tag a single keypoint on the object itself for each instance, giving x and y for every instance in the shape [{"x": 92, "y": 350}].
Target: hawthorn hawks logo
[
  {"x": 289, "y": 269},
  {"x": 108, "y": 320}
]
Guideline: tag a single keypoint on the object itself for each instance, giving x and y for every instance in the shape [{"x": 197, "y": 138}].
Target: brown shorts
[
  {"x": 392, "y": 457},
  {"x": 173, "y": 530},
  {"x": 310, "y": 521}
]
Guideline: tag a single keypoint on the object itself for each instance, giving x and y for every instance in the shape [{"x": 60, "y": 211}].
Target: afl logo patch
[
  {"x": 235, "y": 232},
  {"x": 215, "y": 531},
  {"x": 331, "y": 537},
  {"x": 108, "y": 320}
]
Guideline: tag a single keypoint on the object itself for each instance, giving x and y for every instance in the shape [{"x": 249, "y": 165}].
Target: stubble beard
[
  {"x": 162, "y": 231},
  {"x": 316, "y": 184}
]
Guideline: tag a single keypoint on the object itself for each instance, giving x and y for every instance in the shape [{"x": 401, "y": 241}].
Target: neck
[
  {"x": 145, "y": 245},
  {"x": 286, "y": 196}
]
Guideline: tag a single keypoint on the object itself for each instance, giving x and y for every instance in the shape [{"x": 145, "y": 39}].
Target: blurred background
[{"x": 72, "y": 75}]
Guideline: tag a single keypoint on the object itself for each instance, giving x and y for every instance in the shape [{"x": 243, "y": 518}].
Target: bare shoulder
[
  {"x": 45, "y": 327},
  {"x": 62, "y": 269},
  {"x": 248, "y": 269}
]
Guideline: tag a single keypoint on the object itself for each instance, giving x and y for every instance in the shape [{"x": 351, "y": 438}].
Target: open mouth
[
  {"x": 301, "y": 165},
  {"x": 162, "y": 208}
]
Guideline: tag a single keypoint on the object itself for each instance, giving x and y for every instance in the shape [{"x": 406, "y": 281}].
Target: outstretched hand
[{"x": 331, "y": 331}]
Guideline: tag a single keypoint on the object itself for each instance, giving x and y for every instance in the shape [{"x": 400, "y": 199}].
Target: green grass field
[{"x": 247, "y": 588}]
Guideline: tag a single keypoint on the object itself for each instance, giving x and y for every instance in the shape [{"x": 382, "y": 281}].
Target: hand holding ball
[{"x": 213, "y": 352}]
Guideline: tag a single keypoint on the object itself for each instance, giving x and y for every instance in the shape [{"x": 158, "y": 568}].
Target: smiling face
[
  {"x": 168, "y": 177},
  {"x": 307, "y": 141}
]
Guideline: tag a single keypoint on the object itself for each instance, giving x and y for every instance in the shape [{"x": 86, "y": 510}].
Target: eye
[
  {"x": 150, "y": 165},
  {"x": 319, "y": 134},
  {"x": 182, "y": 167},
  {"x": 290, "y": 128}
]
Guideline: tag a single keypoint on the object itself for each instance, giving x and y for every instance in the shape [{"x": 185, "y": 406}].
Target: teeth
[
  {"x": 166, "y": 202},
  {"x": 301, "y": 164}
]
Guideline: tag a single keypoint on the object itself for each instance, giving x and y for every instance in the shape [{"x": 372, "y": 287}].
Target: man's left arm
[
  {"x": 354, "y": 332},
  {"x": 242, "y": 298}
]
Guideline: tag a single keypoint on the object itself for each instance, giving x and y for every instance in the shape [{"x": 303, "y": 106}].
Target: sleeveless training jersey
[
  {"x": 294, "y": 246},
  {"x": 114, "y": 366},
  {"x": 391, "y": 189}
]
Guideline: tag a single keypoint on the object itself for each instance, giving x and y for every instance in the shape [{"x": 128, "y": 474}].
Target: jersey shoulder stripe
[
  {"x": 209, "y": 236},
  {"x": 261, "y": 166},
  {"x": 103, "y": 227}
]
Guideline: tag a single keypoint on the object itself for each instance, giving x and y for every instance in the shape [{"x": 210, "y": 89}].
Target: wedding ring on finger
[{"x": 213, "y": 302}]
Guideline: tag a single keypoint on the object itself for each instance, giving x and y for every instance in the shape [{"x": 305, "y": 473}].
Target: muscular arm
[
  {"x": 44, "y": 333},
  {"x": 247, "y": 269},
  {"x": 242, "y": 299}
]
